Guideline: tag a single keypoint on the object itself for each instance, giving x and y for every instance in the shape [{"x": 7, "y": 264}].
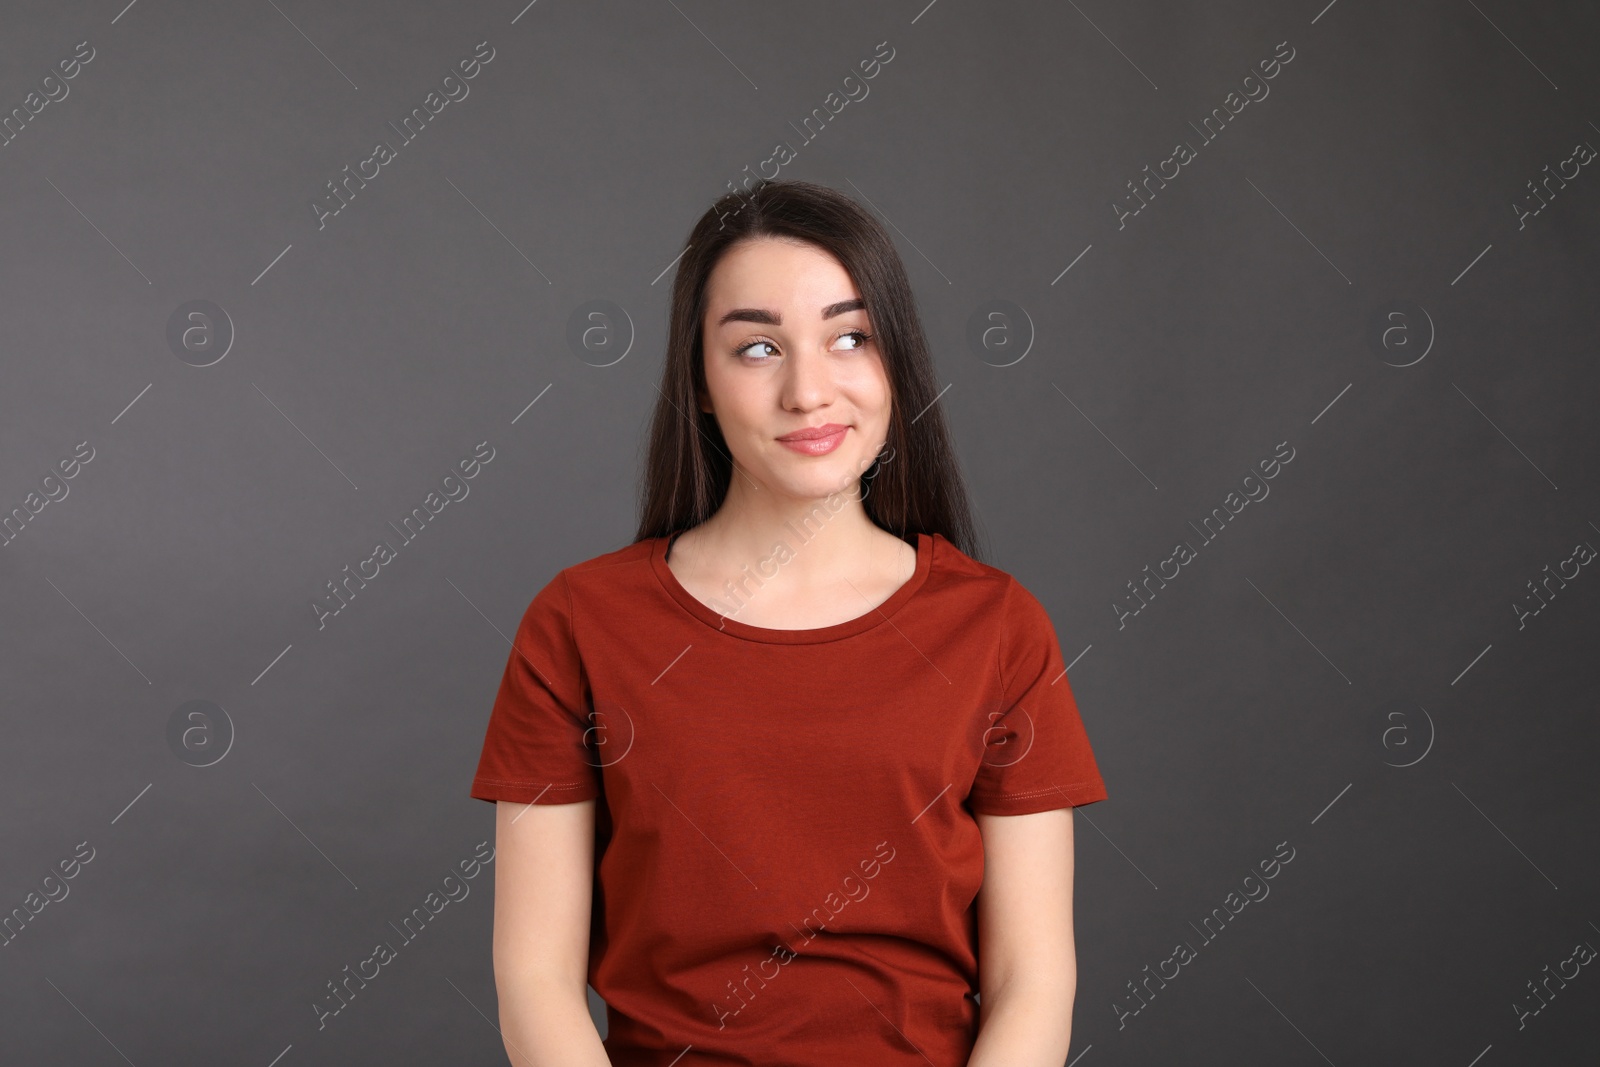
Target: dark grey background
[{"x": 1361, "y": 616}]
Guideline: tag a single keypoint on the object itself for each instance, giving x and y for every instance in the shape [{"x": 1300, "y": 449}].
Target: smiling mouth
[
  {"x": 817, "y": 441},
  {"x": 813, "y": 433}
]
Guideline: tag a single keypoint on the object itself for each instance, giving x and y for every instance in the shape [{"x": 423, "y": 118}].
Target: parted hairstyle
[{"x": 914, "y": 485}]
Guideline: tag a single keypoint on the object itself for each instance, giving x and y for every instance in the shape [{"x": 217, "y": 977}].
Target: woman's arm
[
  {"x": 1027, "y": 960},
  {"x": 543, "y": 886}
]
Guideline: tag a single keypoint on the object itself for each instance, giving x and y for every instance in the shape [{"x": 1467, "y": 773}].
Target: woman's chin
[{"x": 817, "y": 484}]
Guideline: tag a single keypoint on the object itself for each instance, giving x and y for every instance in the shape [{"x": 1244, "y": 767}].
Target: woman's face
[{"x": 788, "y": 347}]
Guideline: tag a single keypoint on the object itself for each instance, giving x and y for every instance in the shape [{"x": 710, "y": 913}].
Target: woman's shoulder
[
  {"x": 638, "y": 551},
  {"x": 1018, "y": 606},
  {"x": 951, "y": 562},
  {"x": 610, "y": 571},
  {"x": 617, "y": 568},
  {"x": 986, "y": 594}
]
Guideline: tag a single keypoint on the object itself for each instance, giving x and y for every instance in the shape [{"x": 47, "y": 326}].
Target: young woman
[{"x": 790, "y": 777}]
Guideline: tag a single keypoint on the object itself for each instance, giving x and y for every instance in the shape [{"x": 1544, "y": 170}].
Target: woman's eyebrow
[
  {"x": 769, "y": 318},
  {"x": 842, "y": 306}
]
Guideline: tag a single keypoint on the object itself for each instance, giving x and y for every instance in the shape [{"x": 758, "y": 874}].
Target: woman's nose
[{"x": 808, "y": 379}]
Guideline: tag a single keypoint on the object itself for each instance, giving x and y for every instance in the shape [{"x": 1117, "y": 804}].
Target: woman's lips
[{"x": 815, "y": 446}]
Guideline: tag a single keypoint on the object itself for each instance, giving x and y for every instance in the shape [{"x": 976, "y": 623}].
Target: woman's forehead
[{"x": 784, "y": 277}]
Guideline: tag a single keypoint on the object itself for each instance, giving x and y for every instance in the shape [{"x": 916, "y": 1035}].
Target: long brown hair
[{"x": 918, "y": 487}]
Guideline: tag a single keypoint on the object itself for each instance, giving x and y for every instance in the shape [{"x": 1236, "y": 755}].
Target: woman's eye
[
  {"x": 861, "y": 336},
  {"x": 747, "y": 354}
]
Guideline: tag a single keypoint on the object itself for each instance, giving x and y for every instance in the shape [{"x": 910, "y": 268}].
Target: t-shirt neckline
[{"x": 850, "y": 627}]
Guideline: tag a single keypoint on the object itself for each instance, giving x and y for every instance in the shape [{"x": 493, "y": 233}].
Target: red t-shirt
[{"x": 786, "y": 855}]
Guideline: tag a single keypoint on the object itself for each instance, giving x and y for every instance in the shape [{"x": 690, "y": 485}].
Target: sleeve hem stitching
[
  {"x": 531, "y": 785},
  {"x": 1036, "y": 792}
]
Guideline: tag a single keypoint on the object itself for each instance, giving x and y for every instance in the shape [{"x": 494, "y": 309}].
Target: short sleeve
[
  {"x": 536, "y": 749},
  {"x": 1036, "y": 751}
]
